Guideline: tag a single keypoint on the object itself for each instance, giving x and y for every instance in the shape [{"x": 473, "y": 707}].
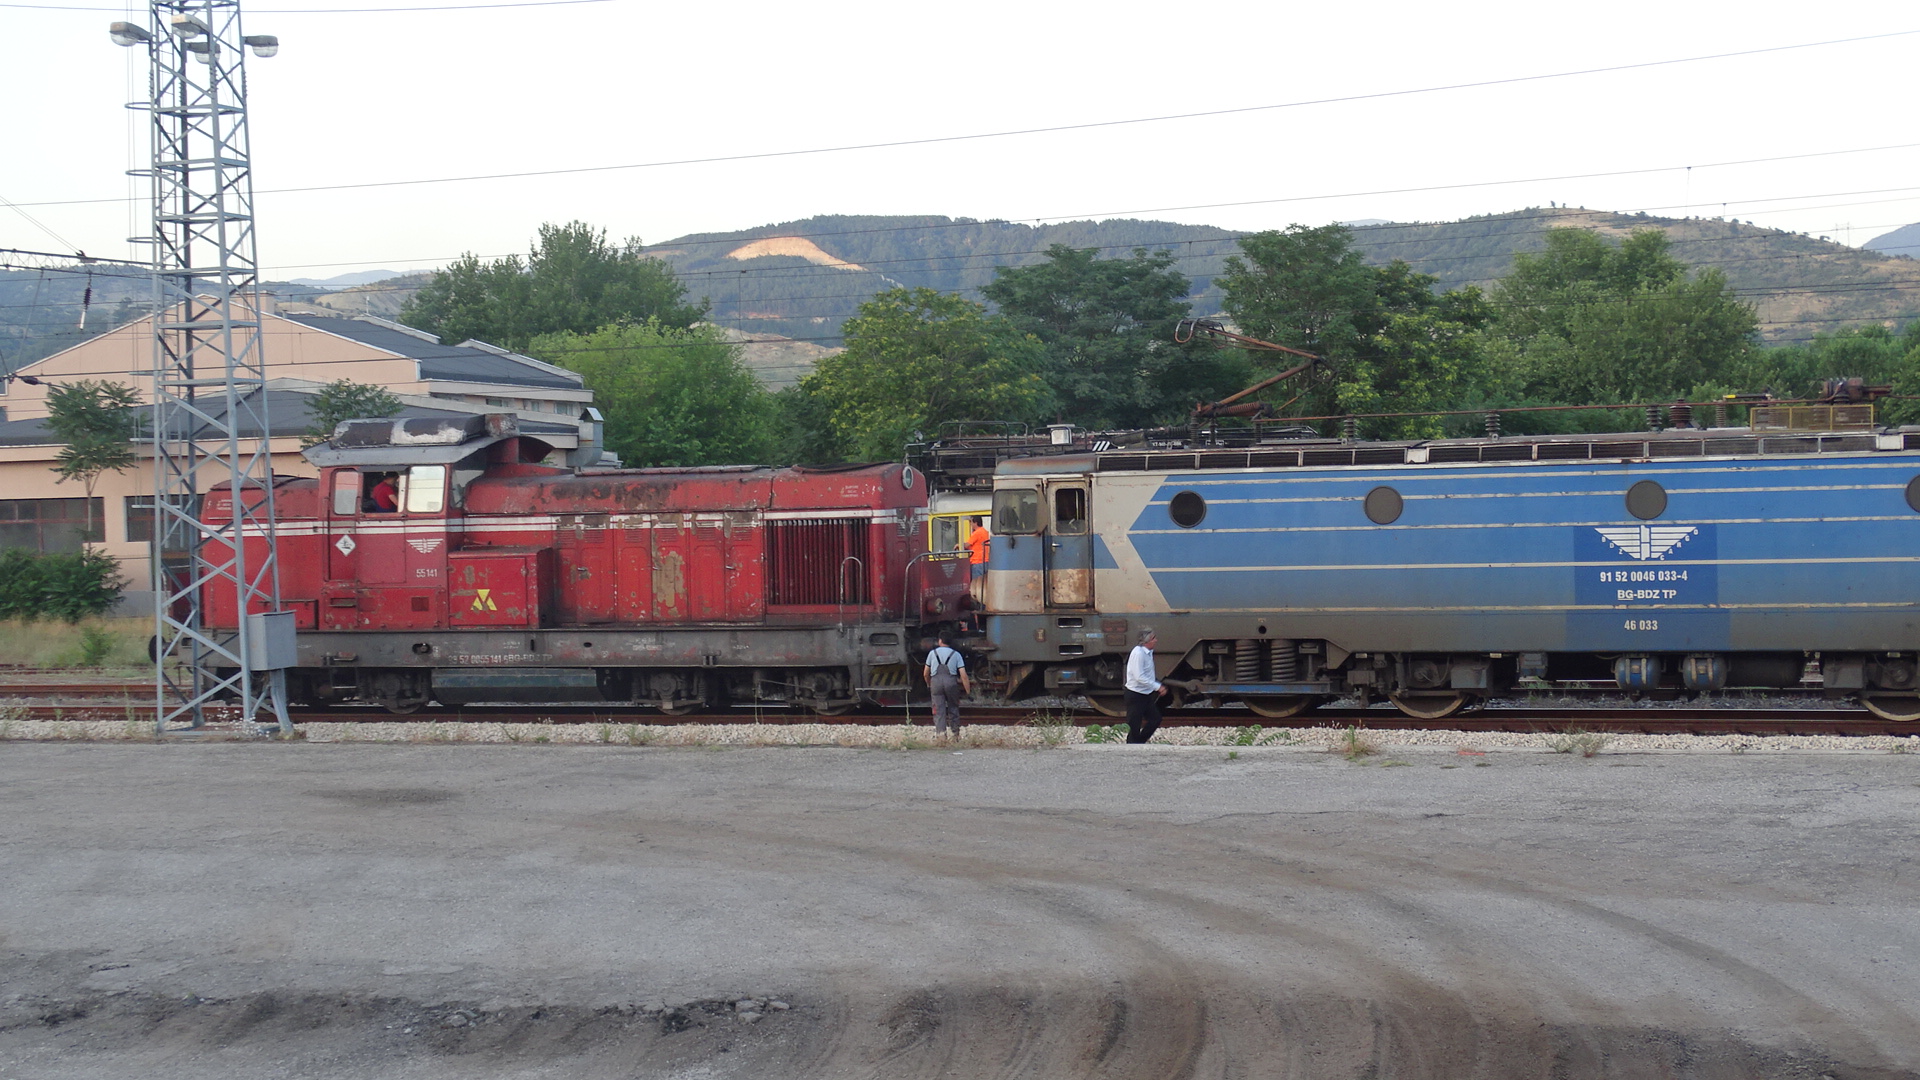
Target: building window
[
  {"x": 140, "y": 519},
  {"x": 500, "y": 403},
  {"x": 50, "y": 525}
]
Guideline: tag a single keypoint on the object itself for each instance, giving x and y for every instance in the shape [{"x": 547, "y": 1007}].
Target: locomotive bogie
[{"x": 1437, "y": 584}]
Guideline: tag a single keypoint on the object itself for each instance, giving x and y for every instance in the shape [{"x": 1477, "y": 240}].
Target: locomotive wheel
[
  {"x": 685, "y": 708},
  {"x": 1430, "y": 706},
  {"x": 830, "y": 708},
  {"x": 1904, "y": 708},
  {"x": 1279, "y": 707},
  {"x": 403, "y": 708},
  {"x": 1107, "y": 704}
]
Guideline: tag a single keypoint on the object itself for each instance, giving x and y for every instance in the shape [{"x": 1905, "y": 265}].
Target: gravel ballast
[{"x": 1376, "y": 741}]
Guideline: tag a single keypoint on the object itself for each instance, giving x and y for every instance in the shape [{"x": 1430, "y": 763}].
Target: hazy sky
[{"x": 374, "y": 97}]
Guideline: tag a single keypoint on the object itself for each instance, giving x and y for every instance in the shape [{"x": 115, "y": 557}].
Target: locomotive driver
[{"x": 1143, "y": 690}]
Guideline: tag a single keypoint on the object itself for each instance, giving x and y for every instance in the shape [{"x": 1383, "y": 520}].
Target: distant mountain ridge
[
  {"x": 803, "y": 279},
  {"x": 1901, "y": 242},
  {"x": 342, "y": 281}
]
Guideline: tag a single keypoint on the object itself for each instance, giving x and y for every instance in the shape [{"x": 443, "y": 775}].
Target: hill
[
  {"x": 345, "y": 281},
  {"x": 802, "y": 279},
  {"x": 1800, "y": 284},
  {"x": 1903, "y": 241}
]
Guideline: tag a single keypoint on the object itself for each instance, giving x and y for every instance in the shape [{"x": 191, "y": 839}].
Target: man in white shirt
[{"x": 1143, "y": 690}]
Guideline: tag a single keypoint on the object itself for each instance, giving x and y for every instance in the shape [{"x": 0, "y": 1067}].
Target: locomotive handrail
[
  {"x": 1731, "y": 401},
  {"x": 840, "y": 613},
  {"x": 906, "y": 596}
]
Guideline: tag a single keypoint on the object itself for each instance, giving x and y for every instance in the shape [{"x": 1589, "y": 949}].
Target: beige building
[{"x": 302, "y": 353}]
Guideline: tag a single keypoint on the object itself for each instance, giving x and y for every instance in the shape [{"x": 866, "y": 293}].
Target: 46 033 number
[{"x": 1643, "y": 624}]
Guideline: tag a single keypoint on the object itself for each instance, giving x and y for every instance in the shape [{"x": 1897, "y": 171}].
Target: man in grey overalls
[{"x": 947, "y": 678}]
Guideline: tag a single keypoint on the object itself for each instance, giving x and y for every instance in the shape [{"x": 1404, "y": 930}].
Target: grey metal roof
[
  {"x": 459, "y": 363},
  {"x": 287, "y": 412}
]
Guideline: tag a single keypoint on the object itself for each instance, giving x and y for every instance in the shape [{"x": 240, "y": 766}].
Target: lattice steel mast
[{"x": 209, "y": 402}]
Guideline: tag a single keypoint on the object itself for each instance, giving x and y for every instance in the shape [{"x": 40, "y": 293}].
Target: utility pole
[{"x": 210, "y": 426}]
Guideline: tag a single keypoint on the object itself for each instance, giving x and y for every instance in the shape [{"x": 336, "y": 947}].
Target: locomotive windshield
[
  {"x": 421, "y": 489},
  {"x": 1016, "y": 511}
]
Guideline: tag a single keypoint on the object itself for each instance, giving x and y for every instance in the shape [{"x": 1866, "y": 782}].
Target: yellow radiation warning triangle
[{"x": 483, "y": 600}]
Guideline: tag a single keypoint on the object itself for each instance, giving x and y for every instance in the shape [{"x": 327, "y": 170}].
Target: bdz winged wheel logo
[
  {"x": 424, "y": 547},
  {"x": 1644, "y": 542}
]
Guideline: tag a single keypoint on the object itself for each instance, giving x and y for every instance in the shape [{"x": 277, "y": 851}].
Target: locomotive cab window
[
  {"x": 1070, "y": 510},
  {"x": 1016, "y": 511},
  {"x": 943, "y": 534},
  {"x": 348, "y": 490},
  {"x": 425, "y": 489}
]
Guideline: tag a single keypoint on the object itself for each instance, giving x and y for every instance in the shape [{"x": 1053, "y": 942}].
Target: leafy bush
[
  {"x": 69, "y": 586},
  {"x": 23, "y": 584},
  {"x": 95, "y": 646}
]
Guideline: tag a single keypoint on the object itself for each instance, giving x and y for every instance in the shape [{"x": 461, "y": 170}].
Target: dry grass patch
[
  {"x": 105, "y": 644},
  {"x": 1577, "y": 741},
  {"x": 1355, "y": 746}
]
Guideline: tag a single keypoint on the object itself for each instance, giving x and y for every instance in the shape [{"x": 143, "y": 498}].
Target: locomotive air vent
[
  {"x": 1384, "y": 505},
  {"x": 1187, "y": 509},
  {"x": 1646, "y": 500}
]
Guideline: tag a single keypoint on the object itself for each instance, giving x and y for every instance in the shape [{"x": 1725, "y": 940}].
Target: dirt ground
[{"x": 420, "y": 912}]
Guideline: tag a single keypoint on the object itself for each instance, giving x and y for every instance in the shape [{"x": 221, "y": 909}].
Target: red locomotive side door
[
  {"x": 340, "y": 591},
  {"x": 633, "y": 553},
  {"x": 386, "y": 568},
  {"x": 670, "y": 537},
  {"x": 746, "y": 568},
  {"x": 709, "y": 577},
  {"x": 588, "y": 583}
]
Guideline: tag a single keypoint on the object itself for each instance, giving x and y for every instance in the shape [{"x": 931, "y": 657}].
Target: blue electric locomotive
[{"x": 1438, "y": 573}]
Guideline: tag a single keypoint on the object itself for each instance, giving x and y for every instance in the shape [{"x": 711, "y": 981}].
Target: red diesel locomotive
[{"x": 494, "y": 578}]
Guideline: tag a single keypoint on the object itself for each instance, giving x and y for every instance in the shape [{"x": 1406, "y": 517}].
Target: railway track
[{"x": 132, "y": 707}]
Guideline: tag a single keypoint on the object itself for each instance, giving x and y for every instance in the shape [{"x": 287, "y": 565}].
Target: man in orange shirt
[{"x": 977, "y": 541}]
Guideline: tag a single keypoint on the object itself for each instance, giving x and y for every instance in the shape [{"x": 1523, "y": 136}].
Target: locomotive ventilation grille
[
  {"x": 1460, "y": 452},
  {"x": 818, "y": 561}
]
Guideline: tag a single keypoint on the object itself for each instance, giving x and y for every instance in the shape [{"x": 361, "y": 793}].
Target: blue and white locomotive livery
[{"x": 1438, "y": 573}]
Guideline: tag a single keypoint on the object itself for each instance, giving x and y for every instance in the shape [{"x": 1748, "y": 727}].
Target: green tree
[
  {"x": 1905, "y": 408},
  {"x": 1107, "y": 326},
  {"x": 1598, "y": 322},
  {"x": 572, "y": 281},
  {"x": 345, "y": 399},
  {"x": 1390, "y": 343},
  {"x": 916, "y": 359},
  {"x": 98, "y": 422},
  {"x": 671, "y": 395},
  {"x": 1874, "y": 353}
]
